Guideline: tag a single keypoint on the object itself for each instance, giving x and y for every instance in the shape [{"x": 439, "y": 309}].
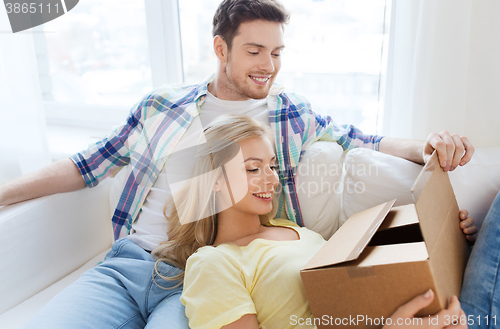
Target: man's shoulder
[
  {"x": 176, "y": 92},
  {"x": 295, "y": 99},
  {"x": 295, "y": 104},
  {"x": 169, "y": 97}
]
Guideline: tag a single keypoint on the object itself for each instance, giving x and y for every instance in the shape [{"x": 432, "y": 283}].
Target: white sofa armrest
[{"x": 45, "y": 239}]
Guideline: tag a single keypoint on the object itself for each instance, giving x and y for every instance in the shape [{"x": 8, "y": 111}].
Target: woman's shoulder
[
  {"x": 210, "y": 254},
  {"x": 303, "y": 232},
  {"x": 208, "y": 259},
  {"x": 206, "y": 252},
  {"x": 281, "y": 222}
]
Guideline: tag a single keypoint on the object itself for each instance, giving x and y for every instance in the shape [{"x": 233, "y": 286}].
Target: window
[
  {"x": 99, "y": 54},
  {"x": 333, "y": 54},
  {"x": 97, "y": 61},
  {"x": 93, "y": 66}
]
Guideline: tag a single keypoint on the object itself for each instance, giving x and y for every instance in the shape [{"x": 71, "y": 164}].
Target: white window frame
[{"x": 165, "y": 53}]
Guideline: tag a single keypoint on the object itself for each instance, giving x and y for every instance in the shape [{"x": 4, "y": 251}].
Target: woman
[{"x": 241, "y": 266}]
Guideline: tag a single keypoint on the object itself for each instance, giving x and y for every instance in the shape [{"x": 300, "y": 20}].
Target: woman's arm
[
  {"x": 215, "y": 294},
  {"x": 247, "y": 321}
]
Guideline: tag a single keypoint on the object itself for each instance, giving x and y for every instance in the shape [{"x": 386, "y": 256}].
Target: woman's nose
[{"x": 271, "y": 177}]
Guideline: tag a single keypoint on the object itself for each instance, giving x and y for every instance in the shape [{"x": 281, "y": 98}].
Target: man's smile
[{"x": 261, "y": 80}]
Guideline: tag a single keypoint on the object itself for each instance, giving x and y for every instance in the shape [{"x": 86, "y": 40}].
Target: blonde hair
[{"x": 197, "y": 198}]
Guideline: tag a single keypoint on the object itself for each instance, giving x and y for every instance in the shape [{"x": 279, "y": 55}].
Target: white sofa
[{"x": 45, "y": 244}]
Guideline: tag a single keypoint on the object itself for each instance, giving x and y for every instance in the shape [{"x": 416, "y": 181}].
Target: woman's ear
[
  {"x": 217, "y": 186},
  {"x": 220, "y": 48}
]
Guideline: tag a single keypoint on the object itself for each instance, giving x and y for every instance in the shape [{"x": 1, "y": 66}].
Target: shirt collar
[{"x": 203, "y": 89}]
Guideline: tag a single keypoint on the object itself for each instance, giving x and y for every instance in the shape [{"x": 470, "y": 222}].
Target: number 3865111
[{"x": 32, "y": 8}]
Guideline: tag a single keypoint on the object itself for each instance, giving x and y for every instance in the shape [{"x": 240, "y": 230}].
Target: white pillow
[
  {"x": 319, "y": 187},
  {"x": 380, "y": 177},
  {"x": 477, "y": 183},
  {"x": 372, "y": 178}
]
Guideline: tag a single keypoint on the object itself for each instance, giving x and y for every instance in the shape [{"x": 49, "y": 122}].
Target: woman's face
[{"x": 252, "y": 178}]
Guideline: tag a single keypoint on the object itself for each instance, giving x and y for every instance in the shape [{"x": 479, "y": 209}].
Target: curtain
[
  {"x": 443, "y": 70},
  {"x": 23, "y": 139}
]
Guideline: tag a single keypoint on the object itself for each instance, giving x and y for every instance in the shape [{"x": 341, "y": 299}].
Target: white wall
[
  {"x": 482, "y": 115},
  {"x": 444, "y": 72}
]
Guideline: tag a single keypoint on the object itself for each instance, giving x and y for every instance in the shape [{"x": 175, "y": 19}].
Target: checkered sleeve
[
  {"x": 106, "y": 157},
  {"x": 347, "y": 136}
]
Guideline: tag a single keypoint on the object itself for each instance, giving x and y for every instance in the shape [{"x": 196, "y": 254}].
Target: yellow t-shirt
[{"x": 224, "y": 283}]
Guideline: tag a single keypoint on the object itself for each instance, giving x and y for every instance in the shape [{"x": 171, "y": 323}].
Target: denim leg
[
  {"x": 480, "y": 296},
  {"x": 115, "y": 294},
  {"x": 164, "y": 300},
  {"x": 169, "y": 313}
]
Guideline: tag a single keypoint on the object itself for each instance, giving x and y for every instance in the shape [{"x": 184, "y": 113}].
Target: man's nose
[{"x": 267, "y": 64}]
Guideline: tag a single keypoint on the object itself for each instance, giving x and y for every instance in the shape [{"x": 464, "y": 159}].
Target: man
[{"x": 248, "y": 40}]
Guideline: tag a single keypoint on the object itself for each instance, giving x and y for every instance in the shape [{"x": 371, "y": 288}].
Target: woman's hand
[
  {"x": 404, "y": 317},
  {"x": 467, "y": 226}
]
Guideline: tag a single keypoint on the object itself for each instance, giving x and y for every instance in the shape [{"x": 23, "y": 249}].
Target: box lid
[
  {"x": 435, "y": 201},
  {"x": 351, "y": 238},
  {"x": 400, "y": 216},
  {"x": 419, "y": 185}
]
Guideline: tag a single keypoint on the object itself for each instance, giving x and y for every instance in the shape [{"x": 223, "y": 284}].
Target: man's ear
[{"x": 220, "y": 48}]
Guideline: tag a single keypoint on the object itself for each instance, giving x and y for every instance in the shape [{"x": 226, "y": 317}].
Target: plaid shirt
[{"x": 157, "y": 122}]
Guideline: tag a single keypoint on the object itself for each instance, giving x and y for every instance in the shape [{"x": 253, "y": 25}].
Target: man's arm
[
  {"x": 408, "y": 149},
  {"x": 61, "y": 176},
  {"x": 453, "y": 150}
]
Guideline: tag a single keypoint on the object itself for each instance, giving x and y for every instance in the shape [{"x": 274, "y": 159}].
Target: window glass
[
  {"x": 197, "y": 43},
  {"x": 98, "y": 54},
  {"x": 332, "y": 56}
]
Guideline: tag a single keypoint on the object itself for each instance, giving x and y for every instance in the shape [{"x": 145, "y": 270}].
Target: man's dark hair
[{"x": 231, "y": 13}]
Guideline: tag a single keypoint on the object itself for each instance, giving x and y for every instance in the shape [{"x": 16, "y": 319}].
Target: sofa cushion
[
  {"x": 319, "y": 187},
  {"x": 43, "y": 240},
  {"x": 18, "y": 317},
  {"x": 373, "y": 177},
  {"x": 477, "y": 183}
]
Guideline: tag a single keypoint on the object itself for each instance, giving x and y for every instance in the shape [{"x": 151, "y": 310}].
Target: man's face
[{"x": 254, "y": 60}]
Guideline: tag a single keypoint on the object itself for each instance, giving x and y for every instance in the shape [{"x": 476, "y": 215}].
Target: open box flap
[
  {"x": 435, "y": 201},
  {"x": 400, "y": 216},
  {"x": 392, "y": 254},
  {"x": 424, "y": 176},
  {"x": 351, "y": 238}
]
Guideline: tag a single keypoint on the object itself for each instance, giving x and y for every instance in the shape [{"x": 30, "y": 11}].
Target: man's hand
[
  {"x": 452, "y": 150},
  {"x": 467, "y": 226},
  {"x": 452, "y": 317}
]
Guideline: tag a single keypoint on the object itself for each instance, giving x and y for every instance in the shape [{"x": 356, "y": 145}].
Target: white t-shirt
[{"x": 150, "y": 228}]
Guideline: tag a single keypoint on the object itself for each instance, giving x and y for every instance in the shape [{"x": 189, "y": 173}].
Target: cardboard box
[{"x": 383, "y": 257}]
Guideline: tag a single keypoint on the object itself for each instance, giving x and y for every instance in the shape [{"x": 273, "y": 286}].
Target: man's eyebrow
[
  {"x": 253, "y": 44},
  {"x": 258, "y": 159}
]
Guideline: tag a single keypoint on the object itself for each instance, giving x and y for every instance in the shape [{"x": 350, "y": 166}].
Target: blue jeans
[
  {"x": 119, "y": 293},
  {"x": 480, "y": 297}
]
